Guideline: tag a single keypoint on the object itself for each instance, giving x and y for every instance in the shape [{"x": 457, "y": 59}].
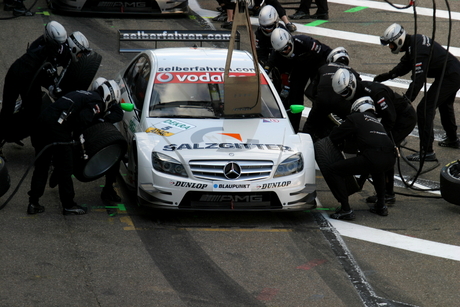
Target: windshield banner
[{"x": 199, "y": 77}]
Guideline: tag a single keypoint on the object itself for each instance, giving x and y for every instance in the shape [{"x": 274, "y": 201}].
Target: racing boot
[
  {"x": 382, "y": 211},
  {"x": 20, "y": 9},
  {"x": 380, "y": 208},
  {"x": 227, "y": 25},
  {"x": 34, "y": 208},
  {"x": 429, "y": 157},
  {"x": 300, "y": 15},
  {"x": 109, "y": 194},
  {"x": 74, "y": 209},
  {"x": 450, "y": 142},
  {"x": 343, "y": 215},
  {"x": 390, "y": 199},
  {"x": 221, "y": 17}
]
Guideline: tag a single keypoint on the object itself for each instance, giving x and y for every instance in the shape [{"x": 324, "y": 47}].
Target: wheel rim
[{"x": 102, "y": 161}]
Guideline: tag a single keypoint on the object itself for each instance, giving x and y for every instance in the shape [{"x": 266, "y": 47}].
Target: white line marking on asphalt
[
  {"x": 386, "y": 7},
  {"x": 349, "y": 36},
  {"x": 391, "y": 239}
]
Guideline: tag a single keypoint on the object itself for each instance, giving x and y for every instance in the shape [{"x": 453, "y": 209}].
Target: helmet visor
[
  {"x": 268, "y": 28},
  {"x": 384, "y": 41},
  {"x": 286, "y": 49},
  {"x": 346, "y": 92},
  {"x": 83, "y": 53}
]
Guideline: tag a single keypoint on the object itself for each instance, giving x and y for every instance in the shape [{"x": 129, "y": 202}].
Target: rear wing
[{"x": 172, "y": 36}]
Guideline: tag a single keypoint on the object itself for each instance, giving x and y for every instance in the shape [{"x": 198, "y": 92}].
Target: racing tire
[
  {"x": 5, "y": 182},
  {"x": 104, "y": 146},
  {"x": 450, "y": 182},
  {"x": 326, "y": 154},
  {"x": 79, "y": 75}
]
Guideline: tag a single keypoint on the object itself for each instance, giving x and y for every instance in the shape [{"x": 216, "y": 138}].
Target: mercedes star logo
[{"x": 232, "y": 171}]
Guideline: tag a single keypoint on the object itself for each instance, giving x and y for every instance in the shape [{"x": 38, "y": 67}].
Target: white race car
[
  {"x": 111, "y": 7},
  {"x": 187, "y": 151}
]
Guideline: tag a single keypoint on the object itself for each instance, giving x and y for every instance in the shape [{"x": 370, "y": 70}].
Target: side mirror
[
  {"x": 128, "y": 107},
  {"x": 296, "y": 108}
]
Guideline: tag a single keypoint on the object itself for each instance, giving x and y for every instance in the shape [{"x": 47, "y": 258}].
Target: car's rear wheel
[
  {"x": 4, "y": 178},
  {"x": 327, "y": 154},
  {"x": 104, "y": 146},
  {"x": 450, "y": 182}
]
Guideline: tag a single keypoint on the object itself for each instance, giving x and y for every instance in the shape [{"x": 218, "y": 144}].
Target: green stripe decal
[
  {"x": 356, "y": 9},
  {"x": 316, "y": 23}
]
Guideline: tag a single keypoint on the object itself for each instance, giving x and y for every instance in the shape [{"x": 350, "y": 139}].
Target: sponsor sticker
[
  {"x": 176, "y": 35},
  {"x": 274, "y": 185},
  {"x": 189, "y": 185},
  {"x": 219, "y": 186},
  {"x": 164, "y": 76},
  {"x": 232, "y": 146},
  {"x": 270, "y": 120},
  {"x": 178, "y": 124},
  {"x": 159, "y": 131}
]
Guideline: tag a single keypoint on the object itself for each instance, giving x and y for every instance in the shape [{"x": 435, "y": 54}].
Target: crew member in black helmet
[
  {"x": 35, "y": 69},
  {"x": 26, "y": 76},
  {"x": 325, "y": 102},
  {"x": 306, "y": 55},
  {"x": 62, "y": 122},
  {"x": 429, "y": 58},
  {"x": 398, "y": 115},
  {"x": 376, "y": 155}
]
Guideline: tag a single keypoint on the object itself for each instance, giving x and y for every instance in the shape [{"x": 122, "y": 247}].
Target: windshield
[{"x": 202, "y": 100}]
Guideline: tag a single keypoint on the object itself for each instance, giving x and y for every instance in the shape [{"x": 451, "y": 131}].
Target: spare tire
[
  {"x": 103, "y": 147},
  {"x": 450, "y": 182},
  {"x": 79, "y": 75},
  {"x": 4, "y": 178},
  {"x": 327, "y": 154}
]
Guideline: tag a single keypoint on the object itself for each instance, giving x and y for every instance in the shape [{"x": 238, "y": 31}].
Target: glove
[
  {"x": 52, "y": 92},
  {"x": 267, "y": 69},
  {"x": 382, "y": 77}
]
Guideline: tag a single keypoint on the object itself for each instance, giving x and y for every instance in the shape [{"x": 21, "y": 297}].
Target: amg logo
[
  {"x": 234, "y": 198},
  {"x": 121, "y": 4}
]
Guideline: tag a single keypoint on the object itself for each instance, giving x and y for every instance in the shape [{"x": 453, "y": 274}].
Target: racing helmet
[
  {"x": 344, "y": 83},
  {"x": 98, "y": 82},
  {"x": 110, "y": 92},
  {"x": 268, "y": 19},
  {"x": 55, "y": 34},
  {"x": 282, "y": 41},
  {"x": 362, "y": 105},
  {"x": 396, "y": 35},
  {"x": 79, "y": 45},
  {"x": 338, "y": 55}
]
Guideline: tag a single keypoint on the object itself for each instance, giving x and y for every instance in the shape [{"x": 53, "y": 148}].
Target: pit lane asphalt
[{"x": 120, "y": 255}]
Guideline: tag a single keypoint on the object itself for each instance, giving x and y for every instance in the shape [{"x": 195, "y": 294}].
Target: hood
[{"x": 194, "y": 139}]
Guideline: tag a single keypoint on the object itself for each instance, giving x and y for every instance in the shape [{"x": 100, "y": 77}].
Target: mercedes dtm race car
[
  {"x": 148, "y": 7},
  {"x": 188, "y": 148}
]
